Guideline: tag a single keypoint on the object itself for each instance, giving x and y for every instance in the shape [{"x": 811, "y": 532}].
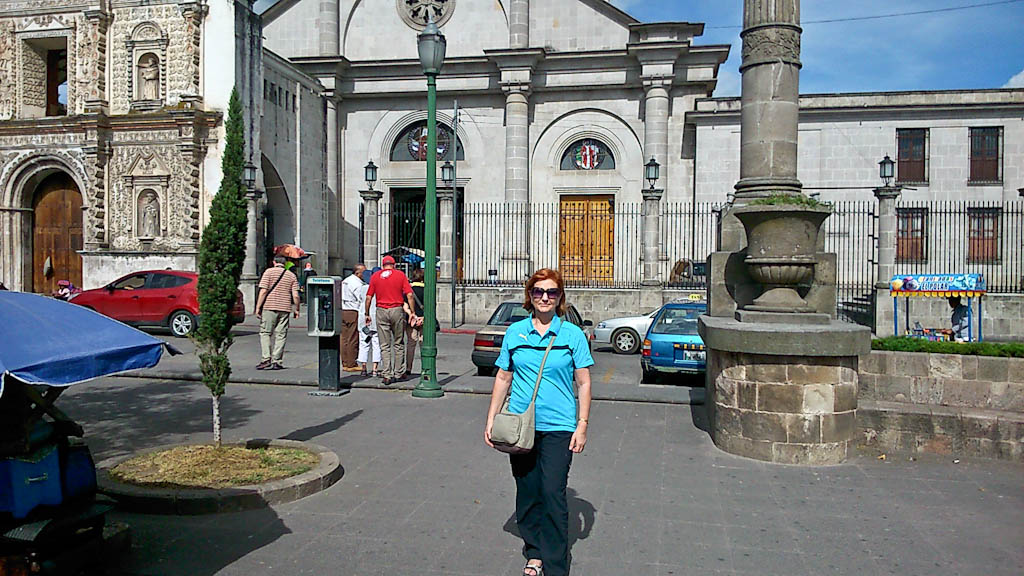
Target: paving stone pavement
[{"x": 651, "y": 495}]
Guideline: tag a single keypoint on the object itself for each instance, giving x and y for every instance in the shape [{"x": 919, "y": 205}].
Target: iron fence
[
  {"x": 690, "y": 232},
  {"x": 957, "y": 237},
  {"x": 851, "y": 233}
]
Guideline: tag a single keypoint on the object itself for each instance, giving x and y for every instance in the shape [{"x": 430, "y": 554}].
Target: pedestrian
[
  {"x": 392, "y": 289},
  {"x": 414, "y": 327},
  {"x": 304, "y": 276},
  {"x": 279, "y": 295},
  {"x": 961, "y": 324},
  {"x": 542, "y": 475},
  {"x": 350, "y": 305},
  {"x": 369, "y": 341}
]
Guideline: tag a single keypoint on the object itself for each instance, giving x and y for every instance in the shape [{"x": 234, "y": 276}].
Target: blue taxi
[{"x": 672, "y": 344}]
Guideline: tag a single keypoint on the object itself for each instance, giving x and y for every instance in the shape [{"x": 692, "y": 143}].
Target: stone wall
[{"x": 942, "y": 403}]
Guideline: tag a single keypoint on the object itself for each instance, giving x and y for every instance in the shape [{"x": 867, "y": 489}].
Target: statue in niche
[
  {"x": 149, "y": 215},
  {"x": 149, "y": 77}
]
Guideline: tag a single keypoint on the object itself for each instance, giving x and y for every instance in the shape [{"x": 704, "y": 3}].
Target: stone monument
[{"x": 782, "y": 372}]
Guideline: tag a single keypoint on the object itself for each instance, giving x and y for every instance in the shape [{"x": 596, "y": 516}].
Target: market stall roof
[
  {"x": 56, "y": 343},
  {"x": 938, "y": 285}
]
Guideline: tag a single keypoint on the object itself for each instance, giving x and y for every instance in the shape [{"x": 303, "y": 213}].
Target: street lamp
[
  {"x": 370, "y": 171},
  {"x": 249, "y": 176},
  {"x": 431, "y": 46},
  {"x": 885, "y": 170},
  {"x": 447, "y": 173},
  {"x": 651, "y": 170}
]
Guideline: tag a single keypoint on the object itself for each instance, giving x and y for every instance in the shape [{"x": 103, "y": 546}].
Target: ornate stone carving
[
  {"x": 416, "y": 13},
  {"x": 8, "y": 59},
  {"x": 777, "y": 43},
  {"x": 148, "y": 216},
  {"x": 137, "y": 171},
  {"x": 149, "y": 77}
]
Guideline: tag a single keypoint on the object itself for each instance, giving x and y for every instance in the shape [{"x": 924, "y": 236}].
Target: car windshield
[
  {"x": 507, "y": 313},
  {"x": 678, "y": 321}
]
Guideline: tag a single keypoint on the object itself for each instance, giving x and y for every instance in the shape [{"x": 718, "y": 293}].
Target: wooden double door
[
  {"x": 587, "y": 239},
  {"x": 56, "y": 233}
]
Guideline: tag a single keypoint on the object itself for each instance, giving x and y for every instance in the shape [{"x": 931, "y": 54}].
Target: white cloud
[{"x": 1016, "y": 82}]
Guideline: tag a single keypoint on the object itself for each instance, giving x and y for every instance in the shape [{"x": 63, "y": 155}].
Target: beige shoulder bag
[{"x": 513, "y": 433}]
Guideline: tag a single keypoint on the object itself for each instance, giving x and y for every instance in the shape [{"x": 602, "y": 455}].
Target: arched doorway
[{"x": 56, "y": 233}]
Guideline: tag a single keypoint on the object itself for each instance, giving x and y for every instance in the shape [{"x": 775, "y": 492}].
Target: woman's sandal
[{"x": 533, "y": 570}]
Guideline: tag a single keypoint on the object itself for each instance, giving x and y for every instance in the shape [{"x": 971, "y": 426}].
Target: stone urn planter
[{"x": 782, "y": 242}]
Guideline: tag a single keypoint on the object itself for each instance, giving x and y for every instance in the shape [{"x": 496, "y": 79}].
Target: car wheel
[
  {"x": 484, "y": 371},
  {"x": 182, "y": 323},
  {"x": 625, "y": 341}
]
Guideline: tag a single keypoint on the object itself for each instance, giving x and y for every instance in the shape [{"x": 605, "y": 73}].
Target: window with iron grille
[
  {"x": 986, "y": 155},
  {"x": 911, "y": 234},
  {"x": 983, "y": 238},
  {"x": 912, "y": 155}
]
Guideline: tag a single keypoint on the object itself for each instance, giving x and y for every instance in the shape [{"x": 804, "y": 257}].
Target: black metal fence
[
  {"x": 959, "y": 237},
  {"x": 599, "y": 243}
]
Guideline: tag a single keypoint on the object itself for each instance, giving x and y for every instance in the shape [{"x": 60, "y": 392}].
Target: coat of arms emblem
[{"x": 588, "y": 155}]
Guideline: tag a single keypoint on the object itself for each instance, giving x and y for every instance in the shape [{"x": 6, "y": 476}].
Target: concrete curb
[{"x": 199, "y": 501}]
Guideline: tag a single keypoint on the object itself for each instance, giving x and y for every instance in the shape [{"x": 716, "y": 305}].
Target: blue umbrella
[{"x": 52, "y": 342}]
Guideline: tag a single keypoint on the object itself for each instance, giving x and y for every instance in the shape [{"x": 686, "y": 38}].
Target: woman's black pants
[{"x": 542, "y": 511}]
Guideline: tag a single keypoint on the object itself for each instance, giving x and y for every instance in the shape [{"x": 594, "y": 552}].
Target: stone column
[
  {"x": 250, "y": 266},
  {"x": 651, "y": 235},
  {"x": 334, "y": 216},
  {"x": 656, "y": 123},
  {"x": 887, "y": 197},
  {"x": 327, "y": 27},
  {"x": 515, "y": 262},
  {"x": 519, "y": 24},
  {"x": 446, "y": 214},
  {"x": 371, "y": 224}
]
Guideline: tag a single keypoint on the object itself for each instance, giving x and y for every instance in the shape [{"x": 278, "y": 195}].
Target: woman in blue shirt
[{"x": 542, "y": 475}]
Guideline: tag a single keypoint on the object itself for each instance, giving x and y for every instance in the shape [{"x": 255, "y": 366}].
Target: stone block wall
[
  {"x": 942, "y": 403},
  {"x": 786, "y": 409}
]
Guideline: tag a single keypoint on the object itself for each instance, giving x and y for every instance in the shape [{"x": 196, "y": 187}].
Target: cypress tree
[{"x": 221, "y": 253}]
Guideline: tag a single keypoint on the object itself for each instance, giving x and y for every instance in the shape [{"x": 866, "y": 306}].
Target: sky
[{"x": 979, "y": 47}]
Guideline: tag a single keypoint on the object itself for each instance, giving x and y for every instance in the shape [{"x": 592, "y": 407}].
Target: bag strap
[
  {"x": 274, "y": 285},
  {"x": 540, "y": 371}
]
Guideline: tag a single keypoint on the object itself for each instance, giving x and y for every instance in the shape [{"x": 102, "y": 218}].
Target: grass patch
[
  {"x": 905, "y": 344},
  {"x": 790, "y": 200},
  {"x": 206, "y": 466}
]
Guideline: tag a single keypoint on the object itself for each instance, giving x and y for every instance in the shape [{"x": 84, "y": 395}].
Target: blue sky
[{"x": 980, "y": 47}]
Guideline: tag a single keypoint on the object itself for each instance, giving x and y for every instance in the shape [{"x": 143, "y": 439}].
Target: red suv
[{"x": 153, "y": 298}]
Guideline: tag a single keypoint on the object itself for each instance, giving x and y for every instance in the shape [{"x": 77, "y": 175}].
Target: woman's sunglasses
[{"x": 539, "y": 293}]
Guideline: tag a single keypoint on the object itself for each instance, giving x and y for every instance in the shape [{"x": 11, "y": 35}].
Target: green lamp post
[{"x": 431, "y": 44}]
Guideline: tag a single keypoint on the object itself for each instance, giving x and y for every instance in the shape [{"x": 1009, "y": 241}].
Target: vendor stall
[{"x": 964, "y": 286}]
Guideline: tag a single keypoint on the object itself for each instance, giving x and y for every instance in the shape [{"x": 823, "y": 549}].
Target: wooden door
[
  {"x": 586, "y": 239},
  {"x": 56, "y": 234}
]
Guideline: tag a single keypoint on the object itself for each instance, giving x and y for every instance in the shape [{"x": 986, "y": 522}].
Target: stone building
[{"x": 111, "y": 132}]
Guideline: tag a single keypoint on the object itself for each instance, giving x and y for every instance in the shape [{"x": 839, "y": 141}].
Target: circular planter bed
[{"x": 163, "y": 498}]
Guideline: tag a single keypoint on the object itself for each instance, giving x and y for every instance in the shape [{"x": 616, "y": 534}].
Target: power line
[{"x": 892, "y": 15}]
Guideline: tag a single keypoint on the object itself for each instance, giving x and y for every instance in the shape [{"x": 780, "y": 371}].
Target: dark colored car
[
  {"x": 487, "y": 341},
  {"x": 672, "y": 344},
  {"x": 153, "y": 298}
]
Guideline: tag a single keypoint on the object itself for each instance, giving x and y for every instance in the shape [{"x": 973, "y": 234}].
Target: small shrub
[
  {"x": 790, "y": 200},
  {"x": 905, "y": 344}
]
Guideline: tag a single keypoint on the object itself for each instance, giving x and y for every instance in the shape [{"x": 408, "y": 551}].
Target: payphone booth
[{"x": 323, "y": 320}]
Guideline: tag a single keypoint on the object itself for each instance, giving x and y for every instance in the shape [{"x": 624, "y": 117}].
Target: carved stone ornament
[
  {"x": 148, "y": 181},
  {"x": 771, "y": 44},
  {"x": 416, "y": 13},
  {"x": 147, "y": 66}
]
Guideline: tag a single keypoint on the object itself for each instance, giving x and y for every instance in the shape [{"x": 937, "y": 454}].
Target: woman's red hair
[{"x": 547, "y": 274}]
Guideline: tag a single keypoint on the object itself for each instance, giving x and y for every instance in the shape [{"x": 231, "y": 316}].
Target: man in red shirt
[{"x": 392, "y": 289}]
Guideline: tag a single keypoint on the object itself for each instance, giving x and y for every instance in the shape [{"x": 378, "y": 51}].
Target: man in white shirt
[{"x": 350, "y": 319}]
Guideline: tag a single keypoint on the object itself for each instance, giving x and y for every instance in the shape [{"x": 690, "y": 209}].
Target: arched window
[
  {"x": 411, "y": 144},
  {"x": 588, "y": 154}
]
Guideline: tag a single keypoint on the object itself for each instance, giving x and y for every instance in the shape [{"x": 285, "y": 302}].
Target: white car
[{"x": 624, "y": 334}]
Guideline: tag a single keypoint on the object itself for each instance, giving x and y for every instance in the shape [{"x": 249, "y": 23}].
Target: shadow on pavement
[
  {"x": 581, "y": 518},
  {"x": 310, "y": 432},
  {"x": 126, "y": 418}
]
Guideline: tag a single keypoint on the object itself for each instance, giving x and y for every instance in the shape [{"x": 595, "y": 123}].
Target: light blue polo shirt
[{"x": 521, "y": 353}]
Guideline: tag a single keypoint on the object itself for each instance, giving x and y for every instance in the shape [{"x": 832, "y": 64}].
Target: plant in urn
[{"x": 782, "y": 239}]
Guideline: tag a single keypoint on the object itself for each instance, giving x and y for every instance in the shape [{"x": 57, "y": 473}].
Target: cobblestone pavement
[{"x": 651, "y": 495}]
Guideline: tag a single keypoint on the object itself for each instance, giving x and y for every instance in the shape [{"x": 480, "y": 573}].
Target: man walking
[
  {"x": 392, "y": 289},
  {"x": 350, "y": 288},
  {"x": 279, "y": 295}
]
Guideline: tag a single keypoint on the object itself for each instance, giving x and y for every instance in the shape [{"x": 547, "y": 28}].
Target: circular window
[{"x": 416, "y": 13}]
